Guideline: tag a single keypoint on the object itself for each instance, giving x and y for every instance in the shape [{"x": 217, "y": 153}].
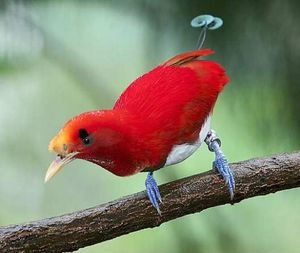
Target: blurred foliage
[{"x": 60, "y": 58}]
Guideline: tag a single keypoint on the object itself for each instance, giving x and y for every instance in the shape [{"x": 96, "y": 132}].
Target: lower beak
[{"x": 58, "y": 164}]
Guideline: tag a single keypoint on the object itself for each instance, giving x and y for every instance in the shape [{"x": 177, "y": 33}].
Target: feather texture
[
  {"x": 174, "y": 100},
  {"x": 161, "y": 110}
]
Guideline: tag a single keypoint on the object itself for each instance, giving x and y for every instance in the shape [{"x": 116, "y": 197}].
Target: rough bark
[{"x": 70, "y": 232}]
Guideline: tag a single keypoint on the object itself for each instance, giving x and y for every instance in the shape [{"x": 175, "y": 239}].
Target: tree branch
[{"x": 70, "y": 232}]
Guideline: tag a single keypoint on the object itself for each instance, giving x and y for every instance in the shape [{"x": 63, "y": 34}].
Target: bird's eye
[{"x": 84, "y": 136}]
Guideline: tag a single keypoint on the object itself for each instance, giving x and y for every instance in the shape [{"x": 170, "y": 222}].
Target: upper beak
[{"x": 58, "y": 164}]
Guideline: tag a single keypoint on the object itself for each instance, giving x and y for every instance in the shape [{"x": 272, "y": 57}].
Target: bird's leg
[
  {"x": 221, "y": 164},
  {"x": 153, "y": 191}
]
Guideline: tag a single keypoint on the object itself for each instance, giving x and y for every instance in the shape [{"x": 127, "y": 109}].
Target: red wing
[{"x": 176, "y": 97}]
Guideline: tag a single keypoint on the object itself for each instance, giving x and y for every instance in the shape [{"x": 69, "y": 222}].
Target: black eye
[{"x": 84, "y": 136}]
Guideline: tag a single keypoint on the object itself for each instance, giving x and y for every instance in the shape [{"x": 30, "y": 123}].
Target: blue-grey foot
[
  {"x": 153, "y": 191},
  {"x": 221, "y": 163}
]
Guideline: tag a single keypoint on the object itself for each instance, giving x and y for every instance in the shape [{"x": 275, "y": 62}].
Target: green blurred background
[{"x": 61, "y": 58}]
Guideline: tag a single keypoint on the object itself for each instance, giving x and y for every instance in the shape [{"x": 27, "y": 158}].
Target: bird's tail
[
  {"x": 185, "y": 57},
  {"x": 208, "y": 70}
]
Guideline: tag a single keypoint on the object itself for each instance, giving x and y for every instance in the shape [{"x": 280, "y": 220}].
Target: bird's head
[{"x": 83, "y": 137}]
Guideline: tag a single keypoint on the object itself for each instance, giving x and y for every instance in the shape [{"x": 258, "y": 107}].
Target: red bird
[{"x": 160, "y": 119}]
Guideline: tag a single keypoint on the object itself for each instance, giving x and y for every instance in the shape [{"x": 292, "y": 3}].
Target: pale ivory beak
[{"x": 58, "y": 164}]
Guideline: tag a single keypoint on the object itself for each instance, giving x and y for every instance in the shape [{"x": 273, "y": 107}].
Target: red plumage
[{"x": 165, "y": 107}]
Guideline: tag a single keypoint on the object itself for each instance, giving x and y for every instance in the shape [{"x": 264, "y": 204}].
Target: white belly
[{"x": 183, "y": 151}]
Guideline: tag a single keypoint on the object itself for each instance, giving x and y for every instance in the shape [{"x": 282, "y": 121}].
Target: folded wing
[{"x": 175, "y": 98}]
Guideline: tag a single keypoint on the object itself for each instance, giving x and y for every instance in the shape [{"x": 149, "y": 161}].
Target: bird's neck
[{"x": 119, "y": 143}]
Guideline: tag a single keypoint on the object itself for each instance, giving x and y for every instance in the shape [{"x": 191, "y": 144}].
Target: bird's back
[{"x": 177, "y": 96}]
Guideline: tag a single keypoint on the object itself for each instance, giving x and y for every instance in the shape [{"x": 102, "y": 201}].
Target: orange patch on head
[{"x": 59, "y": 144}]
